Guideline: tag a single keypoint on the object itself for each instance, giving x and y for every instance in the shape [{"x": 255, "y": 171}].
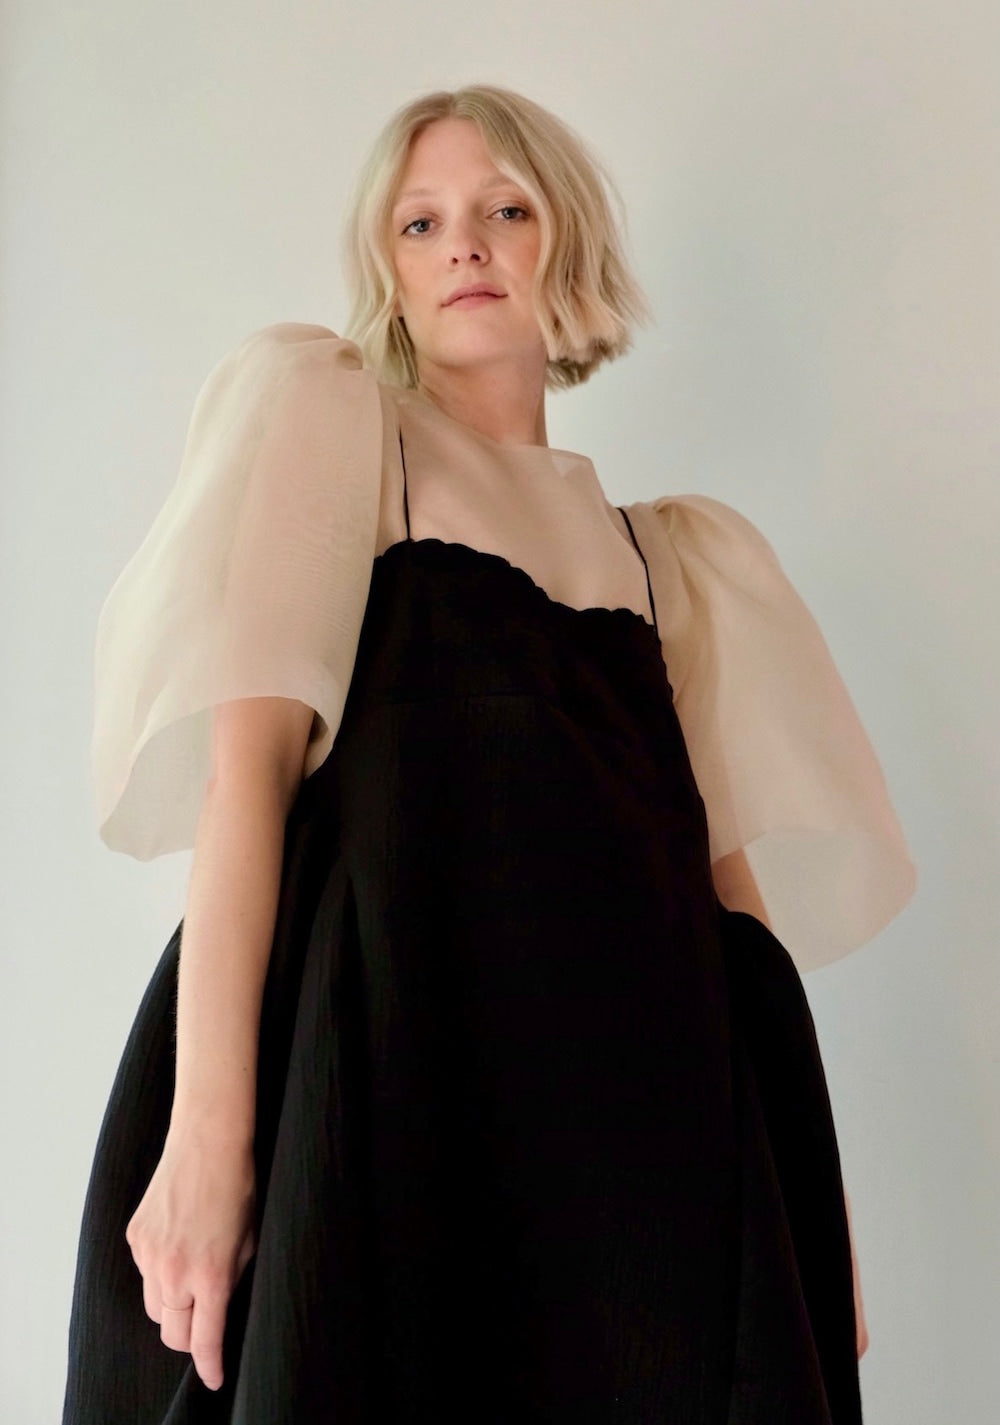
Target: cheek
[
  {"x": 414, "y": 285},
  {"x": 404, "y": 268},
  {"x": 528, "y": 259}
]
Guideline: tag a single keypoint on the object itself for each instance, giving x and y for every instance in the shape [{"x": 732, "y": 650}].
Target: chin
[{"x": 473, "y": 348}]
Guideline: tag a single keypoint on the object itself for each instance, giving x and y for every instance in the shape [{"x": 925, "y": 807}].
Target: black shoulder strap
[
  {"x": 649, "y": 586},
  {"x": 406, "y": 502}
]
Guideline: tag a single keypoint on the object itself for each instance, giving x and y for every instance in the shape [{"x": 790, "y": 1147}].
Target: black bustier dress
[{"x": 543, "y": 1134}]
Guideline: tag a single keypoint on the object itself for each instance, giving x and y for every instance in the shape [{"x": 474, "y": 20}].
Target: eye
[{"x": 521, "y": 214}]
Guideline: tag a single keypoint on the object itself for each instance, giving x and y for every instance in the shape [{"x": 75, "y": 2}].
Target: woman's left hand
[{"x": 859, "y": 1306}]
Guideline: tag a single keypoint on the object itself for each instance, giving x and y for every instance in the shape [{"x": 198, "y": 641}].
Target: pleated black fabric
[{"x": 543, "y": 1131}]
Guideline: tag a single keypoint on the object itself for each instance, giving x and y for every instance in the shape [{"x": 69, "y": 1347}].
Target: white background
[{"x": 814, "y": 212}]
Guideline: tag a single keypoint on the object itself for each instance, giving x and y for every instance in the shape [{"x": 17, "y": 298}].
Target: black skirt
[{"x": 543, "y": 1134}]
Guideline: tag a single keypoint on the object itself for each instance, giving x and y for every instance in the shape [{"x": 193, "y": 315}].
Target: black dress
[{"x": 543, "y": 1131}]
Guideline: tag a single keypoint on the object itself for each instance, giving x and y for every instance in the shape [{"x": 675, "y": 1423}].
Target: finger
[
  {"x": 175, "y": 1326},
  {"x": 151, "y": 1298},
  {"x": 208, "y": 1327}
]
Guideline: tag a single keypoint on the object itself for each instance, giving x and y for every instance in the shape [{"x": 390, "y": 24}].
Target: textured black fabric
[{"x": 543, "y": 1130}]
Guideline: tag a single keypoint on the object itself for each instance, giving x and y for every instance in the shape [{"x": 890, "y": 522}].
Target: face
[{"x": 468, "y": 226}]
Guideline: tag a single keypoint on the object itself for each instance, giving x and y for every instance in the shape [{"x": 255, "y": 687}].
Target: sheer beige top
[{"x": 254, "y": 576}]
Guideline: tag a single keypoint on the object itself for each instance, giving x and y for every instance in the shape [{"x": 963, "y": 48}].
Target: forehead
[{"x": 440, "y": 149}]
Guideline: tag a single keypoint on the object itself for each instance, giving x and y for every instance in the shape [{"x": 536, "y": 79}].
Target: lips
[{"x": 479, "y": 289}]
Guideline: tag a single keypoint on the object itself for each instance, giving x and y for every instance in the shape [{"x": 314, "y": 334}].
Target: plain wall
[{"x": 814, "y": 213}]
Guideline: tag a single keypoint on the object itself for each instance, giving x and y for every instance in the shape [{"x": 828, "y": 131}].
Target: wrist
[{"x": 199, "y": 1128}]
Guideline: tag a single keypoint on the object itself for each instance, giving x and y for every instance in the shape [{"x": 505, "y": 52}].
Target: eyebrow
[{"x": 501, "y": 182}]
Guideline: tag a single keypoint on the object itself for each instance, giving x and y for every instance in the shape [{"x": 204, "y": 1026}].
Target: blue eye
[{"x": 522, "y": 216}]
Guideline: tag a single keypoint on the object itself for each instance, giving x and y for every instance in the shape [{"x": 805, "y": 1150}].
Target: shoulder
[
  {"x": 294, "y": 346},
  {"x": 700, "y": 530},
  {"x": 706, "y": 518},
  {"x": 301, "y": 363}
]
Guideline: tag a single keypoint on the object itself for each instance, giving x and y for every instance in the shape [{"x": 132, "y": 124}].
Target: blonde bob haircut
[{"x": 585, "y": 296}]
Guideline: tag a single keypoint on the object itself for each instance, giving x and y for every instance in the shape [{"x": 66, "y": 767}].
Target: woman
[{"x": 493, "y": 1094}]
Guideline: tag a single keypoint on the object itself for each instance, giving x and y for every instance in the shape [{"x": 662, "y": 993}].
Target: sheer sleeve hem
[
  {"x": 251, "y": 582},
  {"x": 784, "y": 766}
]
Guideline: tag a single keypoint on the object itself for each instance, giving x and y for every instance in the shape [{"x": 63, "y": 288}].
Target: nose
[{"x": 468, "y": 244}]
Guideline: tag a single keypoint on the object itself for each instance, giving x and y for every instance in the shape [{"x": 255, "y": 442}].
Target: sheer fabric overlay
[{"x": 254, "y": 576}]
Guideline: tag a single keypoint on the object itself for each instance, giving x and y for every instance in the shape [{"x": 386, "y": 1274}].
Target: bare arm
[
  {"x": 258, "y": 747},
  {"x": 192, "y": 1233}
]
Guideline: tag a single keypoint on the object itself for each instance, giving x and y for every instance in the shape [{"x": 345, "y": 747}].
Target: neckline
[
  {"x": 426, "y": 404},
  {"x": 595, "y": 613}
]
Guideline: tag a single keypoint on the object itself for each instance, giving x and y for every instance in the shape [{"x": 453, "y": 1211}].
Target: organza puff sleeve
[
  {"x": 251, "y": 582},
  {"x": 782, "y": 761}
]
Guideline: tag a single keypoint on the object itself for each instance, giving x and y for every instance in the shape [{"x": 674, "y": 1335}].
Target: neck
[{"x": 505, "y": 403}]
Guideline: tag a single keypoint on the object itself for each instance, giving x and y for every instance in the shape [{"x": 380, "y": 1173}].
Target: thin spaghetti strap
[
  {"x": 406, "y": 502},
  {"x": 649, "y": 585}
]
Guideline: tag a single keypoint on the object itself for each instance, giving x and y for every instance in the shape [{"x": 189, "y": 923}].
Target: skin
[
  {"x": 192, "y": 1234},
  {"x": 484, "y": 365}
]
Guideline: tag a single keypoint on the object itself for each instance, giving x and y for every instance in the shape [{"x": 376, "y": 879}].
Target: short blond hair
[{"x": 586, "y": 298}]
